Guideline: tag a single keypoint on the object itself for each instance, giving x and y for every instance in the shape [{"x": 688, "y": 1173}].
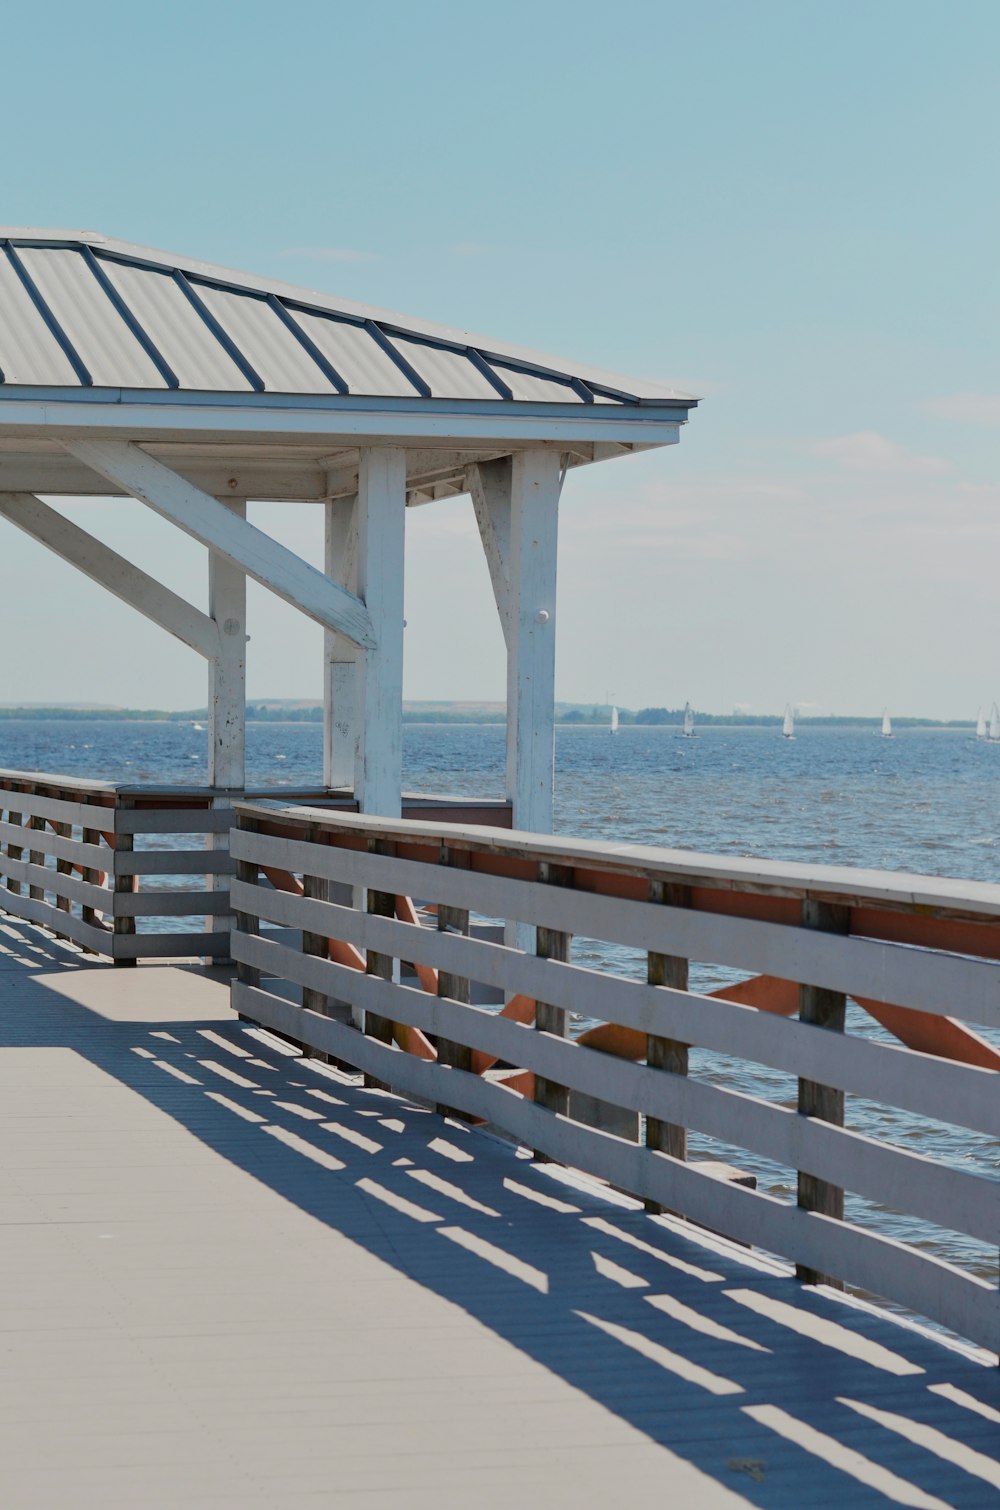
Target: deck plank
[{"x": 223, "y": 1285}]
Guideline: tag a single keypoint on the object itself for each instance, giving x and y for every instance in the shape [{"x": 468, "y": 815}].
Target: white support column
[
  {"x": 340, "y": 655},
  {"x": 227, "y": 605},
  {"x": 534, "y": 516},
  {"x": 381, "y": 521}
]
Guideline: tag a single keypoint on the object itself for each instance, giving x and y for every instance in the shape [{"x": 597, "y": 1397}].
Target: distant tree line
[{"x": 312, "y": 713}]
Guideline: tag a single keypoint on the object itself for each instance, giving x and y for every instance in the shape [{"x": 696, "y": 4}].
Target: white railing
[
  {"x": 138, "y": 872},
  {"x": 918, "y": 953},
  {"x": 89, "y": 859}
]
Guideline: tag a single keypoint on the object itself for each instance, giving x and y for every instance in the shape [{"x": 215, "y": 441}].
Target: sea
[{"x": 924, "y": 801}]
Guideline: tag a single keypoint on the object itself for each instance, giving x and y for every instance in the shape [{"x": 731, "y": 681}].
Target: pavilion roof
[{"x": 82, "y": 311}]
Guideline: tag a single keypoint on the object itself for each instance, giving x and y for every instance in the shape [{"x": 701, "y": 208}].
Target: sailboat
[
  {"x": 688, "y": 721},
  {"x": 980, "y": 725},
  {"x": 788, "y": 727},
  {"x": 614, "y": 720},
  {"x": 886, "y": 725},
  {"x": 995, "y": 724}
]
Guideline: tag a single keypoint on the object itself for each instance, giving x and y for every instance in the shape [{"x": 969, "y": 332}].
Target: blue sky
[{"x": 790, "y": 208}]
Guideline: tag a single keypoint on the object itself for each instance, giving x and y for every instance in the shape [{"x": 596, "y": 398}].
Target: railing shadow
[{"x": 784, "y": 1395}]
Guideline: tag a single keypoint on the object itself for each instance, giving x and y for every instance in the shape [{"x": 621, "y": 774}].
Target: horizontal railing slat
[
  {"x": 174, "y": 862},
  {"x": 893, "y": 973},
  {"x": 880, "y": 1264},
  {"x": 46, "y": 876},
  {"x": 171, "y": 945},
  {"x": 936, "y": 1088},
  {"x": 144, "y": 904},
  {"x": 93, "y": 856},
  {"x": 202, "y": 820},
  {"x": 36, "y": 805},
  {"x": 33, "y": 910},
  {"x": 956, "y": 1199}
]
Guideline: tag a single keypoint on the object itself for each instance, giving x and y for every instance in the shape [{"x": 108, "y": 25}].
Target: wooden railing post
[
  {"x": 456, "y": 987},
  {"x": 824, "y": 1009},
  {"x": 14, "y": 852},
  {"x": 88, "y": 913},
  {"x": 124, "y": 927},
  {"x": 667, "y": 1053},
  {"x": 63, "y": 868},
  {"x": 382, "y": 904},
  {"x": 316, "y": 944},
  {"x": 36, "y": 857},
  {"x": 552, "y": 944},
  {"x": 245, "y": 922}
]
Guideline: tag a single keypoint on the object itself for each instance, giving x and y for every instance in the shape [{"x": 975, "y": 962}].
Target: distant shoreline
[{"x": 567, "y": 715}]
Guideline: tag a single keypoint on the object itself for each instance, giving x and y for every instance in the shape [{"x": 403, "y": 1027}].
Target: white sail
[
  {"x": 886, "y": 725},
  {"x": 614, "y": 720},
  {"x": 788, "y": 728},
  {"x": 981, "y": 725},
  {"x": 688, "y": 720},
  {"x": 995, "y": 723}
]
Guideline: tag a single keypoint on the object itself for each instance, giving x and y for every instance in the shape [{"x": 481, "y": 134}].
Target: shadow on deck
[{"x": 234, "y": 1277}]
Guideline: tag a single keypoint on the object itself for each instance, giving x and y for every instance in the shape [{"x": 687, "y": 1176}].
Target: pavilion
[{"x": 191, "y": 388}]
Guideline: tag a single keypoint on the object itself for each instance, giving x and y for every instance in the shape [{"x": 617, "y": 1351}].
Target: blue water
[{"x": 925, "y": 801}]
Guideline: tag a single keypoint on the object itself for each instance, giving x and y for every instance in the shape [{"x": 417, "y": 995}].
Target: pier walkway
[{"x": 235, "y": 1277}]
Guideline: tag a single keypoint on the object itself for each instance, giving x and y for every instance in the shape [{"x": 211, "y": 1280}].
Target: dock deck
[{"x": 235, "y": 1277}]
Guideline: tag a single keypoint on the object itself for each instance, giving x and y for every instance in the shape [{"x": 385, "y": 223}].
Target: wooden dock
[{"x": 236, "y": 1277}]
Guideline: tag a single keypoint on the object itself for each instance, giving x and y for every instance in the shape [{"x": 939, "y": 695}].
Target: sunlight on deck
[{"x": 221, "y": 1286}]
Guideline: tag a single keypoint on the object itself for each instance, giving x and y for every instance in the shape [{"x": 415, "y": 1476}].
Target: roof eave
[{"x": 142, "y": 413}]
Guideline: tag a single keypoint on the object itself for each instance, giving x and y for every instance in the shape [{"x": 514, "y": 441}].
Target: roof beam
[
  {"x": 111, "y": 571},
  {"x": 423, "y": 467},
  {"x": 244, "y": 475},
  {"x": 144, "y": 415},
  {"x": 210, "y": 522}
]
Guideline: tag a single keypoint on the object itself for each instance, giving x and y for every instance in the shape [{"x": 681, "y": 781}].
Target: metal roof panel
[
  {"x": 268, "y": 345},
  {"x": 29, "y": 352},
  {"x": 448, "y": 374},
  {"x": 175, "y": 328},
  {"x": 361, "y": 362},
  {"x": 108, "y": 349},
  {"x": 536, "y": 389}
]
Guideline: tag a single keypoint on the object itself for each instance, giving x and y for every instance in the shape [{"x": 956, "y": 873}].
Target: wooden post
[
  {"x": 381, "y": 522},
  {"x": 534, "y": 520},
  {"x": 14, "y": 852},
  {"x": 554, "y": 945},
  {"x": 824, "y": 1009},
  {"x": 315, "y": 944},
  {"x": 246, "y": 922},
  {"x": 124, "y": 927},
  {"x": 63, "y": 868},
  {"x": 227, "y": 605},
  {"x": 88, "y": 913},
  {"x": 667, "y": 1053},
  {"x": 456, "y": 987},
  {"x": 340, "y": 654},
  {"x": 36, "y": 857},
  {"x": 383, "y": 904}
]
